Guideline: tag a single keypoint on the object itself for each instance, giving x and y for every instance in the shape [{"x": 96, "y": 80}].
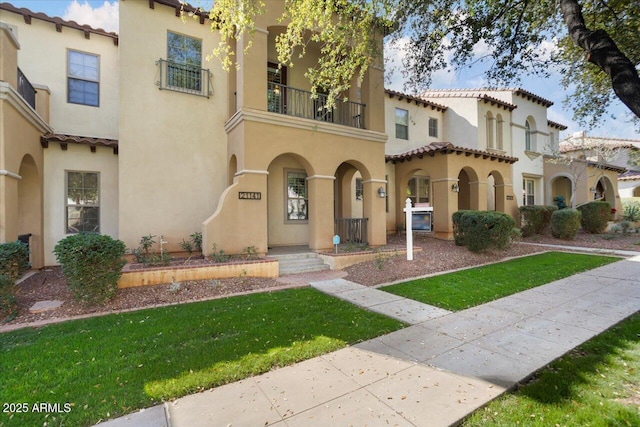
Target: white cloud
[{"x": 104, "y": 16}]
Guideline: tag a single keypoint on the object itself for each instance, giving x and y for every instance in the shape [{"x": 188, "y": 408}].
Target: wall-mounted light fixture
[
  {"x": 592, "y": 189},
  {"x": 455, "y": 188},
  {"x": 382, "y": 193}
]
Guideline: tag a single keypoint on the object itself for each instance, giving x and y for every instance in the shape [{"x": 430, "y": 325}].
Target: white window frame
[
  {"x": 527, "y": 136},
  {"x": 75, "y": 76},
  {"x": 290, "y": 197},
  {"x": 490, "y": 125},
  {"x": 405, "y": 126},
  {"x": 80, "y": 205},
  {"x": 528, "y": 191},
  {"x": 499, "y": 132},
  {"x": 433, "y": 127},
  {"x": 420, "y": 189}
]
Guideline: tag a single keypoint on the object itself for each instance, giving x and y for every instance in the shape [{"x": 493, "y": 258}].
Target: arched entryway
[
  {"x": 562, "y": 187},
  {"x": 288, "y": 199},
  {"x": 467, "y": 187},
  {"x": 496, "y": 192},
  {"x": 30, "y": 206},
  {"x": 604, "y": 191},
  {"x": 350, "y": 221}
]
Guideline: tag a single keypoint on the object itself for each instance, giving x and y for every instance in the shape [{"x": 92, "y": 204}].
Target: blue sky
[{"x": 103, "y": 14}]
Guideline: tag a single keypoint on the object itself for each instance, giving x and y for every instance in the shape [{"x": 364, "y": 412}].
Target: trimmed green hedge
[
  {"x": 482, "y": 230},
  {"x": 91, "y": 264},
  {"x": 8, "y": 304},
  {"x": 536, "y": 219},
  {"x": 595, "y": 216},
  {"x": 14, "y": 260},
  {"x": 565, "y": 224}
]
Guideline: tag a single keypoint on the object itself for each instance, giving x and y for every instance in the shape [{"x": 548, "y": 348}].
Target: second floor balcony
[
  {"x": 183, "y": 78},
  {"x": 287, "y": 100},
  {"x": 26, "y": 90}
]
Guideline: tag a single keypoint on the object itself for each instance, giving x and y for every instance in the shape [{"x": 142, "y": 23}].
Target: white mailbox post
[{"x": 409, "y": 212}]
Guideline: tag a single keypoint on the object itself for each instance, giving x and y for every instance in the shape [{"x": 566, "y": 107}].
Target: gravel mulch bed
[{"x": 436, "y": 256}]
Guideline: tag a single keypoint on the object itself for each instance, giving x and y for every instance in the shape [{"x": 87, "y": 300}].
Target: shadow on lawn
[{"x": 564, "y": 381}]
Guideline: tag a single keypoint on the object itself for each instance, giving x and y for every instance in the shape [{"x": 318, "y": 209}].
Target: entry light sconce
[
  {"x": 455, "y": 188},
  {"x": 592, "y": 190},
  {"x": 382, "y": 193}
]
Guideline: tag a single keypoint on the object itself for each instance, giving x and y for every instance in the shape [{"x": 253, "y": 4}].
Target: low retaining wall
[
  {"x": 159, "y": 275},
  {"x": 344, "y": 260}
]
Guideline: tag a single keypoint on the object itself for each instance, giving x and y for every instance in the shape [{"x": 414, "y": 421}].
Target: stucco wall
[
  {"x": 77, "y": 158},
  {"x": 43, "y": 59},
  {"x": 418, "y": 125},
  {"x": 173, "y": 150}
]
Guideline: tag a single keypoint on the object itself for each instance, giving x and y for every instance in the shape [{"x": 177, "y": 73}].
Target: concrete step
[{"x": 298, "y": 263}]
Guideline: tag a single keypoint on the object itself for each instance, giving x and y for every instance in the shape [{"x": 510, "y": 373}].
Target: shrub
[
  {"x": 8, "y": 304},
  {"x": 565, "y": 224},
  {"x": 91, "y": 264},
  {"x": 536, "y": 219},
  {"x": 480, "y": 230},
  {"x": 631, "y": 211},
  {"x": 595, "y": 216},
  {"x": 14, "y": 260}
]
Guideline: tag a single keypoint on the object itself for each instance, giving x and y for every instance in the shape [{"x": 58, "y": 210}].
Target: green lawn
[
  {"x": 113, "y": 365},
  {"x": 597, "y": 384},
  {"x": 468, "y": 288}
]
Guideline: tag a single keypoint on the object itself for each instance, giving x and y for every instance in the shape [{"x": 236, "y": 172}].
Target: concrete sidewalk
[{"x": 433, "y": 373}]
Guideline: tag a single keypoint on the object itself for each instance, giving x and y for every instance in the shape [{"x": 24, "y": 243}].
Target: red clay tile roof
[
  {"x": 556, "y": 125},
  {"x": 479, "y": 94},
  {"x": 92, "y": 142},
  {"x": 629, "y": 175},
  {"x": 416, "y": 99},
  {"x": 447, "y": 148},
  {"x": 58, "y": 22}
]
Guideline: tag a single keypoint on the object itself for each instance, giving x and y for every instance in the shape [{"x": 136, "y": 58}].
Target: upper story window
[
  {"x": 499, "y": 133},
  {"x": 527, "y": 136},
  {"x": 83, "y": 78},
  {"x": 433, "y": 127},
  {"x": 402, "y": 124},
  {"x": 83, "y": 202},
  {"x": 359, "y": 189},
  {"x": 184, "y": 68},
  {"x": 490, "y": 126},
  {"x": 552, "y": 140}
]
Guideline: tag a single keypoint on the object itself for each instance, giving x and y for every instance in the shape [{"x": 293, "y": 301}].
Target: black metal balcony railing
[
  {"x": 351, "y": 230},
  {"x": 26, "y": 90},
  {"x": 300, "y": 103},
  {"x": 183, "y": 78}
]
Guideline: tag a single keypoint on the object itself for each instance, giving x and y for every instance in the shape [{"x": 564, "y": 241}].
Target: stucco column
[
  {"x": 445, "y": 203},
  {"x": 478, "y": 195},
  {"x": 374, "y": 209},
  {"x": 373, "y": 98},
  {"x": 252, "y": 73},
  {"x": 321, "y": 227}
]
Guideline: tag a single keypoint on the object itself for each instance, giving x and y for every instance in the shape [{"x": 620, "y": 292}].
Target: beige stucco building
[{"x": 136, "y": 134}]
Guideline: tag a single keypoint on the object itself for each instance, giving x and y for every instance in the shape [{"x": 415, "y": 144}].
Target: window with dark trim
[
  {"x": 83, "y": 202},
  {"x": 433, "y": 127},
  {"x": 297, "y": 198},
  {"x": 402, "y": 124},
  {"x": 83, "y": 78},
  {"x": 184, "y": 55},
  {"x": 359, "y": 189}
]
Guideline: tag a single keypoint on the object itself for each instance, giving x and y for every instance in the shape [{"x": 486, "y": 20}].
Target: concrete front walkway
[{"x": 433, "y": 373}]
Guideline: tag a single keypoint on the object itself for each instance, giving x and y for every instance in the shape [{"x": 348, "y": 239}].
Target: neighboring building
[
  {"x": 133, "y": 134},
  {"x": 612, "y": 151}
]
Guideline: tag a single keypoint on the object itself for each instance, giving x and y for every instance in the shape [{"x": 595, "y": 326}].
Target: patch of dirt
[{"x": 436, "y": 256}]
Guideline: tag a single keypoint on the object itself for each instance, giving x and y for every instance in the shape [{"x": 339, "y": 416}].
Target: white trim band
[
  {"x": 333, "y": 178},
  {"x": 250, "y": 171}
]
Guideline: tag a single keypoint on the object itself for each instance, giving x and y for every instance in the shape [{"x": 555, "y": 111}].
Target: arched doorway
[
  {"x": 30, "y": 207},
  {"x": 604, "y": 191},
  {"x": 562, "y": 187},
  {"x": 468, "y": 195},
  {"x": 350, "y": 199},
  {"x": 496, "y": 192},
  {"x": 288, "y": 201}
]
